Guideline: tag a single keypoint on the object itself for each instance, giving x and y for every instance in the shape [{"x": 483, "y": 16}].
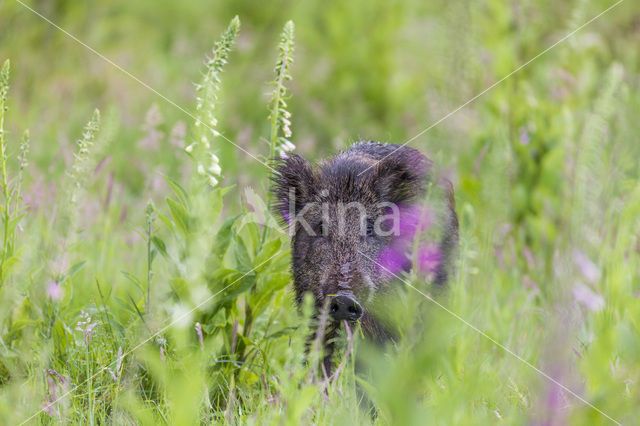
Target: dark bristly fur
[{"x": 368, "y": 173}]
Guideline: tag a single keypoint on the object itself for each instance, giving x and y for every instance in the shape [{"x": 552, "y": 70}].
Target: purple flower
[
  {"x": 59, "y": 376},
  {"x": 392, "y": 260},
  {"x": 587, "y": 268},
  {"x": 199, "y": 333},
  {"x": 162, "y": 343},
  {"x": 48, "y": 406},
  {"x": 118, "y": 365},
  {"x": 54, "y": 290},
  {"x": 555, "y": 406},
  {"x": 119, "y": 359},
  {"x": 113, "y": 375},
  {"x": 585, "y": 296},
  {"x": 86, "y": 327},
  {"x": 524, "y": 136},
  {"x": 414, "y": 220},
  {"x": 285, "y": 215},
  {"x": 429, "y": 258}
]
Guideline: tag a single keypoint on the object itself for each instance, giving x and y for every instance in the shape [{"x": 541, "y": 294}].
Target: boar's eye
[{"x": 370, "y": 228}]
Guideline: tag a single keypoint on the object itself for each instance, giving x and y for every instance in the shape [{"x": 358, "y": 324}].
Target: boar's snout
[{"x": 345, "y": 307}]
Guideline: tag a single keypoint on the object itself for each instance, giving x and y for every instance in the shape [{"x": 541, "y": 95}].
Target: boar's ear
[
  {"x": 402, "y": 176},
  {"x": 294, "y": 184}
]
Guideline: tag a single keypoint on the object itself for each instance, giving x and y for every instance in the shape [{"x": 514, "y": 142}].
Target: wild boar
[{"x": 353, "y": 220}]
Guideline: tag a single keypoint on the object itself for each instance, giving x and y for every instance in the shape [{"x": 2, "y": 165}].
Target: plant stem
[
  {"x": 3, "y": 165},
  {"x": 148, "y": 304}
]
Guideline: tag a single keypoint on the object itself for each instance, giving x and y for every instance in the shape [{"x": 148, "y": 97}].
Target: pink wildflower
[
  {"x": 199, "y": 333},
  {"x": 587, "y": 297},
  {"x": 429, "y": 258},
  {"x": 414, "y": 220},
  {"x": 54, "y": 290}
]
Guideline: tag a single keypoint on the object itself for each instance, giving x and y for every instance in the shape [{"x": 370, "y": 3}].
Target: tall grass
[
  {"x": 11, "y": 209},
  {"x": 130, "y": 299}
]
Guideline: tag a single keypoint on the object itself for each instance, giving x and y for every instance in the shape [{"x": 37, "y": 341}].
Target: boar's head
[{"x": 348, "y": 221}]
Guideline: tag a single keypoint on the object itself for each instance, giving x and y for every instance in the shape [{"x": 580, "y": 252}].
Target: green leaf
[
  {"x": 241, "y": 255},
  {"x": 287, "y": 331},
  {"x": 72, "y": 271},
  {"x": 134, "y": 280},
  {"x": 180, "y": 287},
  {"x": 159, "y": 245},
  {"x": 166, "y": 221},
  {"x": 268, "y": 250},
  {"x": 215, "y": 321},
  {"x": 278, "y": 280},
  {"x": 217, "y": 201},
  {"x": 9, "y": 264},
  {"x": 237, "y": 288},
  {"x": 273, "y": 283},
  {"x": 76, "y": 268},
  {"x": 179, "y": 190},
  {"x": 13, "y": 223},
  {"x": 124, "y": 305},
  {"x": 135, "y": 306},
  {"x": 179, "y": 214},
  {"x": 224, "y": 235}
]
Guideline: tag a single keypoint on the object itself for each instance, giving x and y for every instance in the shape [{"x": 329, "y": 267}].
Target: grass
[{"x": 143, "y": 279}]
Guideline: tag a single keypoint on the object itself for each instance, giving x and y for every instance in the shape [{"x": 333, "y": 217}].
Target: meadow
[{"x": 144, "y": 279}]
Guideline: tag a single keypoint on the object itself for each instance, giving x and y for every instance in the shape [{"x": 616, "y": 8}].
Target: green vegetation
[{"x": 143, "y": 279}]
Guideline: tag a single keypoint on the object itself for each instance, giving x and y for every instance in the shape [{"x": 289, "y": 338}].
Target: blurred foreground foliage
[{"x": 178, "y": 310}]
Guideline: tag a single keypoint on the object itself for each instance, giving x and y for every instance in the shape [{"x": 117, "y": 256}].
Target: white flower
[
  {"x": 189, "y": 148},
  {"x": 201, "y": 169},
  {"x": 205, "y": 141},
  {"x": 86, "y": 327},
  {"x": 288, "y": 146},
  {"x": 215, "y": 169}
]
